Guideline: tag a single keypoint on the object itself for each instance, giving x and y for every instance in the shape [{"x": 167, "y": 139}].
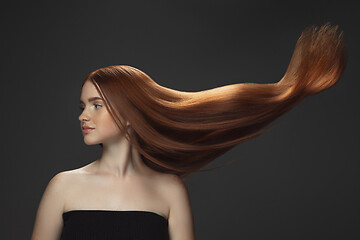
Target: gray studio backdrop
[{"x": 300, "y": 180}]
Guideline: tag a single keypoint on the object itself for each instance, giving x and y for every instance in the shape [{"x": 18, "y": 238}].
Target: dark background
[{"x": 300, "y": 180}]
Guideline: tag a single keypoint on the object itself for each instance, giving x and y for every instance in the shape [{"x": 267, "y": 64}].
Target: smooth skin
[{"x": 118, "y": 180}]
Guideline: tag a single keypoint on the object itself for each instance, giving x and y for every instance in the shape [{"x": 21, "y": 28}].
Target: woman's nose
[{"x": 83, "y": 116}]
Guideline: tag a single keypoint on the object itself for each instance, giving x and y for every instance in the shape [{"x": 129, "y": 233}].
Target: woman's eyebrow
[{"x": 93, "y": 99}]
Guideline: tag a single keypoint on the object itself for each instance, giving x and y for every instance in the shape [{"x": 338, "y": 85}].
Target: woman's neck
[{"x": 120, "y": 160}]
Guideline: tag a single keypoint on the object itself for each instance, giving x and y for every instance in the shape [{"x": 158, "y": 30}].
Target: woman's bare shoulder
[
  {"x": 67, "y": 177},
  {"x": 177, "y": 196},
  {"x": 169, "y": 183}
]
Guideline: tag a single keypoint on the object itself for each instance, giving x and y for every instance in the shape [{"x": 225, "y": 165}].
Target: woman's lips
[{"x": 86, "y": 130}]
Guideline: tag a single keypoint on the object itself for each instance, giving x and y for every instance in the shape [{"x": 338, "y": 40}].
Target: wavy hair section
[{"x": 180, "y": 132}]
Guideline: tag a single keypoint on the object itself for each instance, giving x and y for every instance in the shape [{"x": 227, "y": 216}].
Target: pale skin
[{"x": 118, "y": 180}]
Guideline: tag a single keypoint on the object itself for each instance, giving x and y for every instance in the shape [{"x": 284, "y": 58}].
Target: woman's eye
[{"x": 97, "y": 105}]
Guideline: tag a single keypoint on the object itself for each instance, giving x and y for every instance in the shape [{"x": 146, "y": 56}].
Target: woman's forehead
[{"x": 88, "y": 91}]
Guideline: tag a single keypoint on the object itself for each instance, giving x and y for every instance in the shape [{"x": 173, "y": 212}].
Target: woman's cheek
[{"x": 109, "y": 127}]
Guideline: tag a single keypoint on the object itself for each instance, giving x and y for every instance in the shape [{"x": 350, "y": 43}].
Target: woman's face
[{"x": 95, "y": 115}]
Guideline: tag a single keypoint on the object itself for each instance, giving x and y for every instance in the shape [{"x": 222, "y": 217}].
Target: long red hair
[{"x": 180, "y": 132}]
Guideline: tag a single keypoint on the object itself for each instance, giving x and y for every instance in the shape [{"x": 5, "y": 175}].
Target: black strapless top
[{"x": 110, "y": 224}]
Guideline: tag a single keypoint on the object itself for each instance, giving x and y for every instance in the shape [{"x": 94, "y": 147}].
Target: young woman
[{"x": 153, "y": 138}]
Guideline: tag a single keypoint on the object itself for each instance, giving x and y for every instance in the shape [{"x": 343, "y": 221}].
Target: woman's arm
[
  {"x": 181, "y": 222},
  {"x": 48, "y": 222}
]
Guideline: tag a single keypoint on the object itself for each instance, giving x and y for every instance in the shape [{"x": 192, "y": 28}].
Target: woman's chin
[{"x": 89, "y": 142}]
